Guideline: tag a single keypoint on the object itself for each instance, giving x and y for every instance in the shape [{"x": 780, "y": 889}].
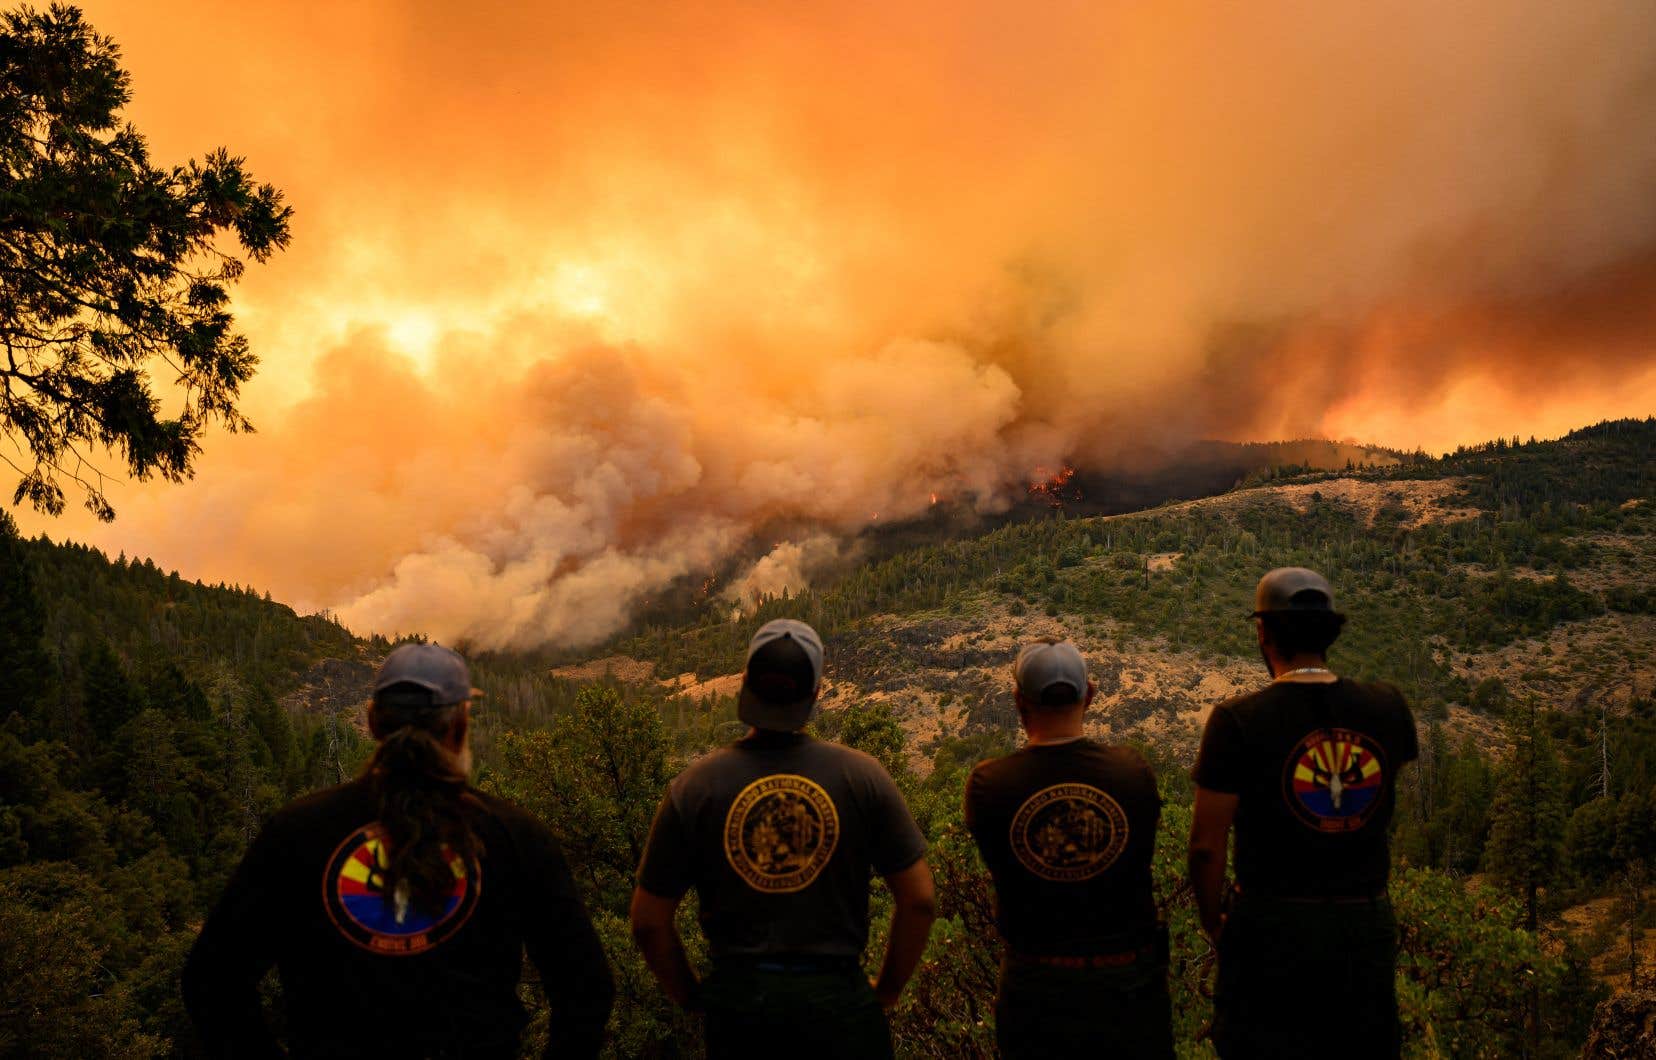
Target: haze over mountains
[{"x": 582, "y": 299}]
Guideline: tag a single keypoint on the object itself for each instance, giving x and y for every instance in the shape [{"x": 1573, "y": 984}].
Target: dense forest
[{"x": 151, "y": 722}]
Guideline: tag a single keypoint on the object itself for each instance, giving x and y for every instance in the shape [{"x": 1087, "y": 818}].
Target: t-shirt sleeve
[
  {"x": 1147, "y": 776},
  {"x": 564, "y": 947},
  {"x": 895, "y": 841},
  {"x": 237, "y": 945},
  {"x": 971, "y": 800},
  {"x": 667, "y": 869},
  {"x": 1219, "y": 762}
]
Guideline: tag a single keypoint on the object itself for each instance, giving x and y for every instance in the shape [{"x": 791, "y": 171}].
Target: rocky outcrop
[{"x": 1624, "y": 1027}]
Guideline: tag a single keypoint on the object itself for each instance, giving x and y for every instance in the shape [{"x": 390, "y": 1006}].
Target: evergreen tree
[
  {"x": 111, "y": 264},
  {"x": 22, "y": 621},
  {"x": 109, "y": 698},
  {"x": 596, "y": 777},
  {"x": 1526, "y": 835},
  {"x": 1529, "y": 815}
]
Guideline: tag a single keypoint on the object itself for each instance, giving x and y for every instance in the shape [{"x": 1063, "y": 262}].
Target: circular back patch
[
  {"x": 353, "y": 891},
  {"x": 1333, "y": 779},
  {"x": 780, "y": 832},
  {"x": 1069, "y": 832}
]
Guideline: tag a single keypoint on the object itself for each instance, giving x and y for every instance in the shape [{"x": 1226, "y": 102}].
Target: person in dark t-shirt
[
  {"x": 1306, "y": 771},
  {"x": 1067, "y": 826},
  {"x": 397, "y": 908},
  {"x": 779, "y": 834}
]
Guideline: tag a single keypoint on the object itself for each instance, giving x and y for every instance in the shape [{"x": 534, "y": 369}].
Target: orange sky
[{"x": 581, "y": 297}]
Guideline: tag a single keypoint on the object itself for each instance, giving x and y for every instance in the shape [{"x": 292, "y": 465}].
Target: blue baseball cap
[{"x": 439, "y": 670}]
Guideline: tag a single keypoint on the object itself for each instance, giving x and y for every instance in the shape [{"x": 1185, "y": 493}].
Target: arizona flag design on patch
[
  {"x": 353, "y": 890},
  {"x": 1334, "y": 779}
]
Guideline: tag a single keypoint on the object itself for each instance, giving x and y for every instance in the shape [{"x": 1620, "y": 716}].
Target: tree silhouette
[
  {"x": 111, "y": 266},
  {"x": 22, "y": 620}
]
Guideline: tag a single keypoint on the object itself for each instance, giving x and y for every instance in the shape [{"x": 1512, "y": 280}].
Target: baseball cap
[
  {"x": 439, "y": 670},
  {"x": 780, "y": 680},
  {"x": 1293, "y": 589},
  {"x": 1051, "y": 673}
]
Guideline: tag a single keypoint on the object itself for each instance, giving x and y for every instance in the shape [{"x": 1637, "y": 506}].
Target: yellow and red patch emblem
[{"x": 354, "y": 894}]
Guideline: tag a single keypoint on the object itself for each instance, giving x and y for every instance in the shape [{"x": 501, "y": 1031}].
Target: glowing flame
[{"x": 1054, "y": 486}]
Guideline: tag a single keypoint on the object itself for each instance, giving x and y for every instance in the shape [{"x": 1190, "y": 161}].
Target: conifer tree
[
  {"x": 22, "y": 621},
  {"x": 111, "y": 264},
  {"x": 1529, "y": 816},
  {"x": 109, "y": 698}
]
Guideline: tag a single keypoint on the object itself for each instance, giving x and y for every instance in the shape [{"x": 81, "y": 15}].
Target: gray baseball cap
[
  {"x": 1051, "y": 673},
  {"x": 439, "y": 670},
  {"x": 1293, "y": 589},
  {"x": 782, "y": 676}
]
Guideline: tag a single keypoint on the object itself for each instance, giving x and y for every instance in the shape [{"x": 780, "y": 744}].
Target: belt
[
  {"x": 1118, "y": 959},
  {"x": 1312, "y": 899},
  {"x": 791, "y": 963},
  {"x": 1149, "y": 951}
]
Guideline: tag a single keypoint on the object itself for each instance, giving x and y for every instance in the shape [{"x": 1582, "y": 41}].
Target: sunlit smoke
[{"x": 583, "y": 298}]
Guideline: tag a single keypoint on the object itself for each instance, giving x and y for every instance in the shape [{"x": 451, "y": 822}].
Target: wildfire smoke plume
[{"x": 581, "y": 298}]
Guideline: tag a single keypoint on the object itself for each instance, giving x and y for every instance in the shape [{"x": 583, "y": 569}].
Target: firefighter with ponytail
[{"x": 397, "y": 908}]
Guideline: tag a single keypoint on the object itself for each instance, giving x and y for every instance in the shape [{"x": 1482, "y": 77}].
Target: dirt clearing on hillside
[
  {"x": 619, "y": 667},
  {"x": 1576, "y": 665},
  {"x": 1417, "y": 503}
]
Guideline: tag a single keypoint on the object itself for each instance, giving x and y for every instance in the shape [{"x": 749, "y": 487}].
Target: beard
[
  {"x": 1267, "y": 660},
  {"x": 463, "y": 760}
]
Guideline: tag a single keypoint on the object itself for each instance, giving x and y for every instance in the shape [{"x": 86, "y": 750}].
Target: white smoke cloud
[{"x": 787, "y": 568}]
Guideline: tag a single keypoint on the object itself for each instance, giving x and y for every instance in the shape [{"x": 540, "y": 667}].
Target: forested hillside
[
  {"x": 141, "y": 744},
  {"x": 150, "y": 722}
]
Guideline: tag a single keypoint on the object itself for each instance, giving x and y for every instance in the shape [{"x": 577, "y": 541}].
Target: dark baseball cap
[
  {"x": 439, "y": 670},
  {"x": 1051, "y": 673},
  {"x": 782, "y": 676},
  {"x": 1293, "y": 589}
]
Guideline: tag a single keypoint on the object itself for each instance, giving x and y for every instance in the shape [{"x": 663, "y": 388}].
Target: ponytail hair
[{"x": 424, "y": 815}]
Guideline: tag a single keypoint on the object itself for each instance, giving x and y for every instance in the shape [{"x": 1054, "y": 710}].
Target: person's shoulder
[
  {"x": 504, "y": 810},
  {"x": 990, "y": 770},
  {"x": 325, "y": 805},
  {"x": 705, "y": 774},
  {"x": 707, "y": 764},
  {"x": 1382, "y": 694},
  {"x": 1124, "y": 756},
  {"x": 1123, "y": 766},
  {"x": 849, "y": 758},
  {"x": 526, "y": 830},
  {"x": 1241, "y": 706}
]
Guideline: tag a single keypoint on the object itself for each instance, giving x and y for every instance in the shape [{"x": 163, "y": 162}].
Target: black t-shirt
[
  {"x": 779, "y": 834},
  {"x": 1315, "y": 766},
  {"x": 365, "y": 975},
  {"x": 1067, "y": 831}
]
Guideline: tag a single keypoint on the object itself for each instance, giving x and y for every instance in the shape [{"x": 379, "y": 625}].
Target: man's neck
[
  {"x": 1305, "y": 668},
  {"x": 1055, "y": 730},
  {"x": 771, "y": 735},
  {"x": 1052, "y": 741}
]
